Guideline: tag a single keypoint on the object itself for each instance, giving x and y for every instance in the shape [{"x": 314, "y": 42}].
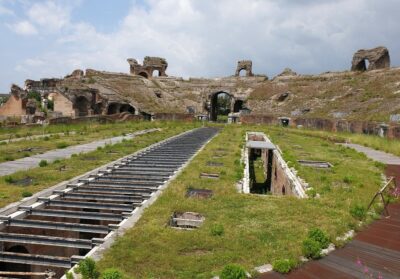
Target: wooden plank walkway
[
  {"x": 8, "y": 168},
  {"x": 375, "y": 250},
  {"x": 373, "y": 253}
]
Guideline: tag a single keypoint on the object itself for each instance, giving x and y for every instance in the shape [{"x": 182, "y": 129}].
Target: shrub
[
  {"x": 69, "y": 275},
  {"x": 111, "y": 273},
  {"x": 283, "y": 266},
  {"x": 8, "y": 158},
  {"x": 312, "y": 193},
  {"x": 358, "y": 211},
  {"x": 88, "y": 269},
  {"x": 233, "y": 271},
  {"x": 43, "y": 163},
  {"x": 26, "y": 194},
  {"x": 311, "y": 248},
  {"x": 9, "y": 179},
  {"x": 46, "y": 138},
  {"x": 217, "y": 230},
  {"x": 62, "y": 145},
  {"x": 319, "y": 236},
  {"x": 348, "y": 179}
]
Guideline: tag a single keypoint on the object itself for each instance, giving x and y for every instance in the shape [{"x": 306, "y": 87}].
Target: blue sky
[{"x": 51, "y": 38}]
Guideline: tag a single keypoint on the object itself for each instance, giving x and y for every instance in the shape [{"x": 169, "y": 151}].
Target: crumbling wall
[
  {"x": 378, "y": 58},
  {"x": 174, "y": 116},
  {"x": 13, "y": 107},
  {"x": 62, "y": 104}
]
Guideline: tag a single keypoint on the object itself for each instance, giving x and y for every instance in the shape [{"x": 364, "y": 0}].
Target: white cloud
[
  {"x": 23, "y": 28},
  {"x": 49, "y": 15},
  {"x": 206, "y": 38},
  {"x": 5, "y": 11}
]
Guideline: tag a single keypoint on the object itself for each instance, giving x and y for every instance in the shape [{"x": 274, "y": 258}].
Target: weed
[
  {"x": 311, "y": 248},
  {"x": 319, "y": 236},
  {"x": 62, "y": 145},
  {"x": 233, "y": 271},
  {"x": 9, "y": 179},
  {"x": 88, "y": 269},
  {"x": 26, "y": 194},
  {"x": 43, "y": 163},
  {"x": 283, "y": 266},
  {"x": 358, "y": 211},
  {"x": 111, "y": 273},
  {"x": 217, "y": 230}
]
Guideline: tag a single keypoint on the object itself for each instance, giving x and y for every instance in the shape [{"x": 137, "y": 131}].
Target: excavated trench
[{"x": 57, "y": 231}]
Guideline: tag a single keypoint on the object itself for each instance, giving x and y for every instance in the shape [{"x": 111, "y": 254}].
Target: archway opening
[
  {"x": 220, "y": 106},
  {"x": 127, "y": 108},
  {"x": 112, "y": 109},
  {"x": 238, "y": 106},
  {"x": 362, "y": 65},
  {"x": 156, "y": 73},
  {"x": 82, "y": 106},
  {"x": 6, "y": 266},
  {"x": 144, "y": 74},
  {"x": 243, "y": 73}
]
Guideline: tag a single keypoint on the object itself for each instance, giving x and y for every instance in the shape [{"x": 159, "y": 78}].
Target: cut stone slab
[
  {"x": 214, "y": 164},
  {"x": 209, "y": 175},
  {"x": 315, "y": 164},
  {"x": 263, "y": 268},
  {"x": 186, "y": 220},
  {"x": 199, "y": 193}
]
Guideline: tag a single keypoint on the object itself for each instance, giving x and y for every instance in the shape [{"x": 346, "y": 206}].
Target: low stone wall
[
  {"x": 174, "y": 116},
  {"x": 390, "y": 130}
]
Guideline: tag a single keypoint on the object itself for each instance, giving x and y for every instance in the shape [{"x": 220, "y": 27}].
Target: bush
[
  {"x": 233, "y": 271},
  {"x": 348, "y": 179},
  {"x": 88, "y": 269},
  {"x": 319, "y": 236},
  {"x": 62, "y": 145},
  {"x": 26, "y": 194},
  {"x": 43, "y": 163},
  {"x": 69, "y": 275},
  {"x": 311, "y": 193},
  {"x": 283, "y": 266},
  {"x": 111, "y": 273},
  {"x": 217, "y": 230},
  {"x": 358, "y": 211},
  {"x": 311, "y": 248},
  {"x": 46, "y": 138},
  {"x": 9, "y": 179}
]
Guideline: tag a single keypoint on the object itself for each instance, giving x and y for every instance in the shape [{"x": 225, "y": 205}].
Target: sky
[{"x": 199, "y": 38}]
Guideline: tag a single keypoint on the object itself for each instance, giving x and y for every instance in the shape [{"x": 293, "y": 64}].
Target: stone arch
[
  {"x": 215, "y": 108},
  {"x": 127, "y": 108},
  {"x": 144, "y": 74},
  {"x": 157, "y": 73},
  {"x": 20, "y": 249},
  {"x": 113, "y": 108},
  {"x": 82, "y": 106},
  {"x": 238, "y": 105},
  {"x": 246, "y": 65}
]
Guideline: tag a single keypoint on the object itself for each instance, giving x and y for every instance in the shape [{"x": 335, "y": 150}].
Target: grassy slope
[
  {"x": 371, "y": 96},
  {"x": 258, "y": 229},
  {"x": 47, "y": 176},
  {"x": 83, "y": 134}
]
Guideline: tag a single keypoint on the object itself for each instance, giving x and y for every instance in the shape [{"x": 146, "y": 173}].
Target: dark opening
[
  {"x": 363, "y": 65},
  {"x": 82, "y": 105},
  {"x": 127, "y": 108},
  {"x": 144, "y": 74},
  {"x": 220, "y": 106},
  {"x": 112, "y": 109},
  {"x": 259, "y": 183},
  {"x": 283, "y": 190},
  {"x": 15, "y": 266},
  {"x": 88, "y": 235},
  {"x": 238, "y": 106},
  {"x": 285, "y": 122}
]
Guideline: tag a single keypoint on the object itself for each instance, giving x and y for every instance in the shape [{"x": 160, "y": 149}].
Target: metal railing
[{"x": 380, "y": 194}]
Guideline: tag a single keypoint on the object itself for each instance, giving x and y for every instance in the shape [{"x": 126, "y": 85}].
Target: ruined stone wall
[
  {"x": 174, "y": 116},
  {"x": 63, "y": 105},
  {"x": 280, "y": 179},
  {"x": 13, "y": 107}
]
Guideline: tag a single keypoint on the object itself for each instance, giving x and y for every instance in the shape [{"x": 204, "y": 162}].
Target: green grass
[
  {"x": 372, "y": 141},
  {"x": 83, "y": 134},
  {"x": 49, "y": 175},
  {"x": 257, "y": 229}
]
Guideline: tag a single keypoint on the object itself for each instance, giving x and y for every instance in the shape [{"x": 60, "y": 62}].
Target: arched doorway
[
  {"x": 238, "y": 106},
  {"x": 112, "y": 108},
  {"x": 156, "y": 73},
  {"x": 82, "y": 106},
  {"x": 15, "y": 266},
  {"x": 220, "y": 106},
  {"x": 362, "y": 65},
  {"x": 127, "y": 108},
  {"x": 144, "y": 74}
]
